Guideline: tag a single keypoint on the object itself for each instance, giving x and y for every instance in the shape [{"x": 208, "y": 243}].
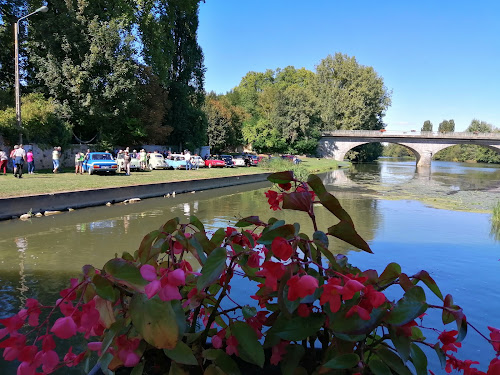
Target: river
[{"x": 403, "y": 213}]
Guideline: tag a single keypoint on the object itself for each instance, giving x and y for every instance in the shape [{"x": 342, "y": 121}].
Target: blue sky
[{"x": 441, "y": 59}]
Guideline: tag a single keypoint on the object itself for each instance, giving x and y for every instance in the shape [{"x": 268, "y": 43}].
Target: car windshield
[{"x": 102, "y": 157}]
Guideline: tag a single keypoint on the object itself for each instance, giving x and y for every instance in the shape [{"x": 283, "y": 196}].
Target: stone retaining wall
[{"x": 14, "y": 207}]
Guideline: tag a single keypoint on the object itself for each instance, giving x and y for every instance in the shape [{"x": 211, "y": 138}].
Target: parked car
[
  {"x": 214, "y": 161},
  {"x": 135, "y": 164},
  {"x": 176, "y": 161},
  {"x": 228, "y": 159},
  {"x": 99, "y": 162},
  {"x": 156, "y": 161},
  {"x": 198, "y": 160},
  {"x": 254, "y": 160},
  {"x": 241, "y": 161}
]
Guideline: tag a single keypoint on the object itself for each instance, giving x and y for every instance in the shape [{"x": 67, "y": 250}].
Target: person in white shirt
[
  {"x": 56, "y": 154},
  {"x": 19, "y": 159}
]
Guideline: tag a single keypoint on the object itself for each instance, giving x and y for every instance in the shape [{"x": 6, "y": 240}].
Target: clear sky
[{"x": 440, "y": 58}]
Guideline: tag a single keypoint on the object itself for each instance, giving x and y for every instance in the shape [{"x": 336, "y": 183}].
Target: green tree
[
  {"x": 427, "y": 127},
  {"x": 350, "y": 96},
  {"x": 41, "y": 123},
  {"x": 480, "y": 127},
  {"x": 447, "y": 126}
]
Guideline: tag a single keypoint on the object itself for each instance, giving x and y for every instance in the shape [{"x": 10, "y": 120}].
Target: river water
[{"x": 393, "y": 206}]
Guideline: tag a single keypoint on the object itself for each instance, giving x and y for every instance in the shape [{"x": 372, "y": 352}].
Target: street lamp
[{"x": 16, "y": 48}]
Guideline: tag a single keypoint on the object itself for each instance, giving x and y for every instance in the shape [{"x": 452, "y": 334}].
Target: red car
[{"x": 213, "y": 161}]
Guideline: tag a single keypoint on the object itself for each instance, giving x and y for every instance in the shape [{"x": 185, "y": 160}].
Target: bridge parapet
[{"x": 410, "y": 134}]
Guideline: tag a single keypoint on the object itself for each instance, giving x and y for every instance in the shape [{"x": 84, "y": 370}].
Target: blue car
[{"x": 99, "y": 162}]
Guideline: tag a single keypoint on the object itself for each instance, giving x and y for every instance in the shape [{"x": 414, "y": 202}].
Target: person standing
[
  {"x": 19, "y": 159},
  {"x": 31, "y": 161},
  {"x": 142, "y": 156},
  {"x": 56, "y": 154},
  {"x": 126, "y": 161},
  {"x": 13, "y": 159},
  {"x": 187, "y": 157},
  {"x": 3, "y": 161}
]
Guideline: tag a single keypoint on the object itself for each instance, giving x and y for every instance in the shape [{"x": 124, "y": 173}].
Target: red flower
[
  {"x": 300, "y": 287},
  {"x": 375, "y": 298},
  {"x": 278, "y": 352},
  {"x": 281, "y": 248},
  {"x": 64, "y": 328},
  {"x": 274, "y": 199},
  {"x": 254, "y": 260},
  {"x": 304, "y": 310},
  {"x": 331, "y": 293},
  {"x": 286, "y": 186},
  {"x": 272, "y": 272},
  {"x": 494, "y": 367},
  {"x": 495, "y": 339},
  {"x": 449, "y": 341},
  {"x": 363, "y": 313},
  {"x": 232, "y": 345}
]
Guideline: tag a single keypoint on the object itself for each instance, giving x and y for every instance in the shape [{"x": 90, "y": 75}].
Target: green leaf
[
  {"x": 249, "y": 238},
  {"x": 300, "y": 201},
  {"x": 145, "y": 246},
  {"x": 343, "y": 361},
  {"x": 379, "y": 368},
  {"x": 181, "y": 354},
  {"x": 212, "y": 269},
  {"x": 345, "y": 231},
  {"x": 292, "y": 358},
  {"x": 321, "y": 237},
  {"x": 401, "y": 343},
  {"x": 202, "y": 245},
  {"x": 297, "y": 328},
  {"x": 393, "y": 361},
  {"x": 222, "y": 360},
  {"x": 281, "y": 177},
  {"x": 441, "y": 355},
  {"x": 409, "y": 307},
  {"x": 249, "y": 221},
  {"x": 193, "y": 220},
  {"x": 284, "y": 231},
  {"x": 104, "y": 361},
  {"x": 155, "y": 320},
  {"x": 125, "y": 272},
  {"x": 354, "y": 325},
  {"x": 462, "y": 328},
  {"x": 249, "y": 311},
  {"x": 104, "y": 288},
  {"x": 175, "y": 369},
  {"x": 138, "y": 369},
  {"x": 430, "y": 283},
  {"x": 391, "y": 273},
  {"x": 328, "y": 200},
  {"x": 249, "y": 348},
  {"x": 109, "y": 336},
  {"x": 419, "y": 359},
  {"x": 218, "y": 237}
]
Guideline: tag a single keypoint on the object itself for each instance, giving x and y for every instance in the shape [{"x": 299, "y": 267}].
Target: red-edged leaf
[
  {"x": 145, "y": 248},
  {"x": 248, "y": 221},
  {"x": 429, "y": 282},
  {"x": 391, "y": 273},
  {"x": 300, "y": 201}
]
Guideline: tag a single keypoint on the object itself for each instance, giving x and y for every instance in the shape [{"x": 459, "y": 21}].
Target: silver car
[
  {"x": 135, "y": 164},
  {"x": 156, "y": 161}
]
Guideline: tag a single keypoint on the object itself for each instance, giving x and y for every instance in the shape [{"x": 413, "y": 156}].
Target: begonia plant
[{"x": 170, "y": 307}]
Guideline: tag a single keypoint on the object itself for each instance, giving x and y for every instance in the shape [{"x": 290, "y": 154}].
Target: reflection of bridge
[{"x": 336, "y": 144}]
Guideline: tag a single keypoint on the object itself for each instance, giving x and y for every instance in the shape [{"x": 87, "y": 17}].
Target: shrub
[{"x": 313, "y": 311}]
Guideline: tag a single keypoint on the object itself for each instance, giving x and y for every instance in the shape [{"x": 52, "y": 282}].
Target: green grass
[
  {"x": 46, "y": 182},
  {"x": 495, "y": 217}
]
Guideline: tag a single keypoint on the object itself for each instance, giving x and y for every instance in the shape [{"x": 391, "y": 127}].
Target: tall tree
[
  {"x": 168, "y": 30},
  {"x": 427, "y": 127},
  {"x": 447, "y": 126},
  {"x": 350, "y": 96}
]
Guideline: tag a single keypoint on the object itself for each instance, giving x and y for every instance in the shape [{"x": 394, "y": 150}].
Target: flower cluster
[{"x": 302, "y": 297}]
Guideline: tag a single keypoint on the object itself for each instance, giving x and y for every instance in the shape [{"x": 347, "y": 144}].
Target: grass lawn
[{"x": 44, "y": 181}]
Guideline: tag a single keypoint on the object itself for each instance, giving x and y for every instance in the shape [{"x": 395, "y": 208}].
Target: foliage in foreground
[{"x": 313, "y": 311}]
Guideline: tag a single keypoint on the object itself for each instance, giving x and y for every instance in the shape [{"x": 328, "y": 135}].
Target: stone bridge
[{"x": 424, "y": 145}]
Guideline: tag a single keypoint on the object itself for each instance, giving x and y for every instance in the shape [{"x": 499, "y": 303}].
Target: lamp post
[{"x": 18, "y": 91}]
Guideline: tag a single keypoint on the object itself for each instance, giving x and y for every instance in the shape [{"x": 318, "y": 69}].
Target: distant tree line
[
  {"x": 285, "y": 110},
  {"x": 118, "y": 72}
]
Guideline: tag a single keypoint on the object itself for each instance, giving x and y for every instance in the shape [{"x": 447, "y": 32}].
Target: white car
[
  {"x": 156, "y": 161},
  {"x": 239, "y": 161},
  {"x": 198, "y": 160},
  {"x": 135, "y": 164}
]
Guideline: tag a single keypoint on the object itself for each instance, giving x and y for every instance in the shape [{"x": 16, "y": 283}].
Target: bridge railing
[{"x": 409, "y": 133}]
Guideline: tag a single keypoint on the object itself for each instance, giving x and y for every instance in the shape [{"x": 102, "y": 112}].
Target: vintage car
[
  {"x": 228, "y": 159},
  {"x": 176, "y": 161},
  {"x": 197, "y": 161},
  {"x": 99, "y": 162},
  {"x": 156, "y": 161},
  {"x": 214, "y": 161},
  {"x": 253, "y": 159},
  {"x": 240, "y": 161},
  {"x": 135, "y": 164}
]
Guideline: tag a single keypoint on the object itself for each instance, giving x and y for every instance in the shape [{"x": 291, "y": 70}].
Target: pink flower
[
  {"x": 152, "y": 288},
  {"x": 281, "y": 248},
  {"x": 331, "y": 293},
  {"x": 495, "y": 338},
  {"x": 300, "y": 287},
  {"x": 148, "y": 272},
  {"x": 71, "y": 359},
  {"x": 64, "y": 328},
  {"x": 272, "y": 272},
  {"x": 351, "y": 288},
  {"x": 375, "y": 298}
]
